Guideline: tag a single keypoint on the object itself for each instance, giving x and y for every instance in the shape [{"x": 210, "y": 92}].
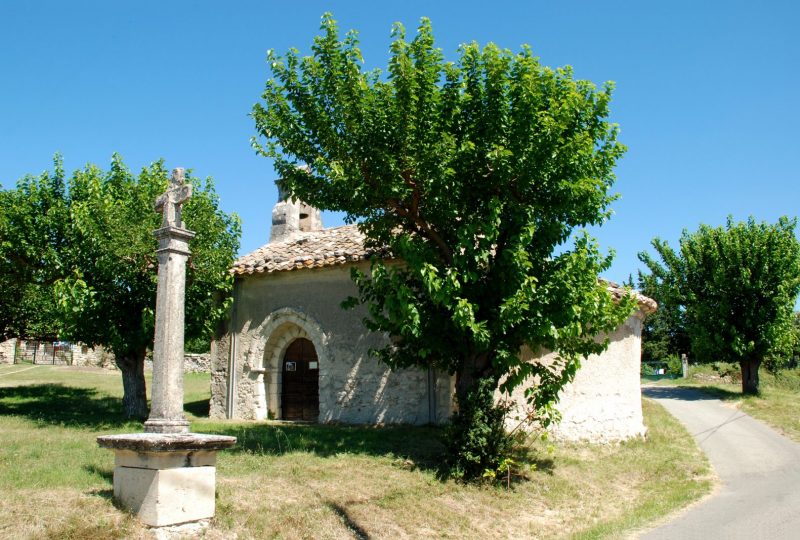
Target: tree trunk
[
  {"x": 473, "y": 369},
  {"x": 476, "y": 440},
  {"x": 750, "y": 375},
  {"x": 134, "y": 399}
]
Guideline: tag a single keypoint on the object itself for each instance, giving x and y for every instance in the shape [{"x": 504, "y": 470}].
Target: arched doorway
[{"x": 300, "y": 382}]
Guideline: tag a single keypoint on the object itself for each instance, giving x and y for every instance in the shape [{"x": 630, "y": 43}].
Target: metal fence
[
  {"x": 655, "y": 368},
  {"x": 673, "y": 368},
  {"x": 43, "y": 352}
]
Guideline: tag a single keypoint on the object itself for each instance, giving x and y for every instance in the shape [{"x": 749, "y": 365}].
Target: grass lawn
[
  {"x": 323, "y": 481},
  {"x": 778, "y": 404}
]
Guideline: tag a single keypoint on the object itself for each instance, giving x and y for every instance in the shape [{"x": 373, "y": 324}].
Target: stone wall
[
  {"x": 196, "y": 363},
  {"x": 192, "y": 363},
  {"x": 7, "y": 351},
  {"x": 83, "y": 355},
  {"x": 602, "y": 404},
  {"x": 604, "y": 401},
  {"x": 220, "y": 352},
  {"x": 274, "y": 309}
]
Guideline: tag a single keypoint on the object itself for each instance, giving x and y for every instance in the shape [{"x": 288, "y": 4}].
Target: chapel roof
[
  {"x": 646, "y": 304},
  {"x": 341, "y": 245},
  {"x": 311, "y": 249}
]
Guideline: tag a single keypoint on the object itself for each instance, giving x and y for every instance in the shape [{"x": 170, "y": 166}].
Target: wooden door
[{"x": 300, "y": 384}]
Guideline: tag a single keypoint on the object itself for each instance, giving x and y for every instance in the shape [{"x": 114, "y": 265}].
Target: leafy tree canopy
[
  {"x": 736, "y": 286},
  {"x": 478, "y": 175},
  {"x": 664, "y": 331},
  {"x": 33, "y": 220},
  {"x": 88, "y": 244}
]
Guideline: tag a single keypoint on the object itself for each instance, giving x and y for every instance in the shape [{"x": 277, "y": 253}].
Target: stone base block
[
  {"x": 166, "y": 479},
  {"x": 166, "y": 496}
]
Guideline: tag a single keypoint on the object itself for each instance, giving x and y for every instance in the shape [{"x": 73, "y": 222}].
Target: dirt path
[{"x": 759, "y": 468}]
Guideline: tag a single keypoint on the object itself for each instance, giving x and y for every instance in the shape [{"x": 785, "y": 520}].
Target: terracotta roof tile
[
  {"x": 342, "y": 245},
  {"x": 315, "y": 249},
  {"x": 646, "y": 304}
]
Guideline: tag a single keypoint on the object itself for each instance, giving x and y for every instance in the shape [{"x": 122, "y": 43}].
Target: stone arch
[{"x": 281, "y": 328}]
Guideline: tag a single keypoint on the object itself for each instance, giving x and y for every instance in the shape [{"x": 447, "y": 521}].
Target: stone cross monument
[
  {"x": 166, "y": 411},
  {"x": 166, "y": 475}
]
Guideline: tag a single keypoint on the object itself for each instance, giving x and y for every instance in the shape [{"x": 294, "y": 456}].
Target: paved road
[{"x": 760, "y": 473}]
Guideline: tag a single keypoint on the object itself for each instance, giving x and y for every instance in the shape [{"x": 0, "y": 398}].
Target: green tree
[
  {"x": 789, "y": 357},
  {"x": 664, "y": 331},
  {"x": 33, "y": 218},
  {"x": 476, "y": 174},
  {"x": 103, "y": 268},
  {"x": 794, "y": 357},
  {"x": 737, "y": 286}
]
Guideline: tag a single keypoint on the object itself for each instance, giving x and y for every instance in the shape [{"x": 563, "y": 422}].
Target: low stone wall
[
  {"x": 197, "y": 363},
  {"x": 192, "y": 363},
  {"x": 83, "y": 355},
  {"x": 7, "y": 351}
]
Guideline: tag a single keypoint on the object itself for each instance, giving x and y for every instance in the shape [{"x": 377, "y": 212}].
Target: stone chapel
[{"x": 290, "y": 351}]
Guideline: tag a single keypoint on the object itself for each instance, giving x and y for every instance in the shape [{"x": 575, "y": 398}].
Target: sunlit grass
[{"x": 324, "y": 481}]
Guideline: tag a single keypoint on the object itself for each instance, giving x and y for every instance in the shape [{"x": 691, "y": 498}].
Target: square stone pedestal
[{"x": 166, "y": 478}]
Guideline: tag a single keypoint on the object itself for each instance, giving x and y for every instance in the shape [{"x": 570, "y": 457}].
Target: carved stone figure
[{"x": 170, "y": 203}]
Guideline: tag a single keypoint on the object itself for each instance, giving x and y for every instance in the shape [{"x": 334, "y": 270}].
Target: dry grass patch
[
  {"x": 378, "y": 492},
  {"x": 64, "y": 514},
  {"x": 312, "y": 481}
]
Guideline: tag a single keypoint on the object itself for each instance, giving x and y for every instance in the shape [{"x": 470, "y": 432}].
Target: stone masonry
[
  {"x": 7, "y": 351},
  {"x": 292, "y": 288}
]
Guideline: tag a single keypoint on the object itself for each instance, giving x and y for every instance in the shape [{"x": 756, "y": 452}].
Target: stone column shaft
[{"x": 166, "y": 412}]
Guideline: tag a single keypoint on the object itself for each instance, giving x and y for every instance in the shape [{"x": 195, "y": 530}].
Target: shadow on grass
[
  {"x": 108, "y": 476},
  {"x": 690, "y": 393},
  {"x": 105, "y": 474},
  {"x": 74, "y": 406},
  {"x": 198, "y": 408},
  {"x": 357, "y": 531},
  {"x": 409, "y": 447},
  {"x": 544, "y": 465},
  {"x": 107, "y": 494},
  {"x": 412, "y": 446},
  {"x": 64, "y": 405}
]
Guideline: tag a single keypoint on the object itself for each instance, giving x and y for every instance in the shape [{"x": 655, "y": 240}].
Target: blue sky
[{"x": 707, "y": 93}]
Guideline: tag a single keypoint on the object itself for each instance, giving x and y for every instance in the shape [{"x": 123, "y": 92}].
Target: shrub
[
  {"x": 674, "y": 366},
  {"x": 727, "y": 370},
  {"x": 476, "y": 437}
]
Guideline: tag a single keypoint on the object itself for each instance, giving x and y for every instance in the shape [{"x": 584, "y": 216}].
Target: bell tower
[{"x": 291, "y": 216}]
